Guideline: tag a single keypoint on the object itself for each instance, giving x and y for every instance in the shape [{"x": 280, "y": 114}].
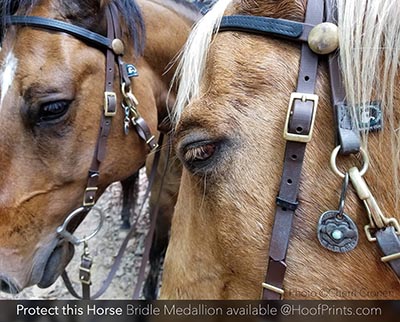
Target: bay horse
[
  {"x": 52, "y": 102},
  {"x": 230, "y": 113}
]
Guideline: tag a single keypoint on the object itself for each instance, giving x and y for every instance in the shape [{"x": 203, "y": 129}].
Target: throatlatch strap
[{"x": 300, "y": 122}]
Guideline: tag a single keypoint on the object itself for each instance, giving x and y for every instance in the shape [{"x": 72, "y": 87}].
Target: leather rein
[
  {"x": 113, "y": 47},
  {"x": 311, "y": 34}
]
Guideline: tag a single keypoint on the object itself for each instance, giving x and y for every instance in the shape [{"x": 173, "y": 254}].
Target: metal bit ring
[{"x": 63, "y": 229}]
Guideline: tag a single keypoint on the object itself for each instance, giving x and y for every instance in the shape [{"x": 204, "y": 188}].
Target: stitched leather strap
[
  {"x": 265, "y": 25},
  {"x": 300, "y": 122},
  {"x": 61, "y": 26}
]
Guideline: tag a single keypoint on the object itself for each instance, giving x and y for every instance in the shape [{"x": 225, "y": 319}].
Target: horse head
[
  {"x": 52, "y": 103},
  {"x": 232, "y": 104}
]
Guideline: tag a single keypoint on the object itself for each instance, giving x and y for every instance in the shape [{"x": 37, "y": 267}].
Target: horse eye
[
  {"x": 196, "y": 154},
  {"x": 52, "y": 111}
]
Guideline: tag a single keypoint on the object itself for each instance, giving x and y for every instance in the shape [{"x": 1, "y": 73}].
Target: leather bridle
[
  {"x": 114, "y": 49},
  {"x": 298, "y": 132}
]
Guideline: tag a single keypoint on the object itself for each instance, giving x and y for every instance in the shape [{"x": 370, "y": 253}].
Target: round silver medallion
[{"x": 337, "y": 232}]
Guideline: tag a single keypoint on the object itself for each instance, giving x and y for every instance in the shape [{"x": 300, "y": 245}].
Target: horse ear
[{"x": 87, "y": 13}]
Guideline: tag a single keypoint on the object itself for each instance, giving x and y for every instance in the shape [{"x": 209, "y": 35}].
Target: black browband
[
  {"x": 61, "y": 26},
  {"x": 264, "y": 25}
]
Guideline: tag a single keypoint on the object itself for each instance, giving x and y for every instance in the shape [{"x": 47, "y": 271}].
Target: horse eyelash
[{"x": 196, "y": 153}]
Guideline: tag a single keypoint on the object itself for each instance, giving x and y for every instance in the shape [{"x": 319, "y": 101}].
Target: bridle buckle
[
  {"x": 304, "y": 138},
  {"x": 110, "y": 99}
]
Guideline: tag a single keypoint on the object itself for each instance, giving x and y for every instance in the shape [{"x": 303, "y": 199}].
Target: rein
[
  {"x": 318, "y": 38},
  {"x": 114, "y": 51}
]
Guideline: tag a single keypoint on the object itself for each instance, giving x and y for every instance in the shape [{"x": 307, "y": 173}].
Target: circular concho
[{"x": 338, "y": 233}]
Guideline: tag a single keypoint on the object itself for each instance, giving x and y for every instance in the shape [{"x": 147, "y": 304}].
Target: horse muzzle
[
  {"x": 56, "y": 263},
  {"x": 42, "y": 269}
]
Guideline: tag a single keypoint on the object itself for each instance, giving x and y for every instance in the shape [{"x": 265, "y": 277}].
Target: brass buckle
[
  {"x": 107, "y": 111},
  {"x": 388, "y": 222},
  {"x": 90, "y": 203},
  {"x": 300, "y": 137},
  {"x": 85, "y": 273},
  {"x": 273, "y": 289}
]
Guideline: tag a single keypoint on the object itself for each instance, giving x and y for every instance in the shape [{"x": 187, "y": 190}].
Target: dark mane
[
  {"x": 129, "y": 11},
  {"x": 134, "y": 20}
]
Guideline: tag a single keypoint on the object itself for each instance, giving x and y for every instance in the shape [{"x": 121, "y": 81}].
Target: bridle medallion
[{"x": 337, "y": 232}]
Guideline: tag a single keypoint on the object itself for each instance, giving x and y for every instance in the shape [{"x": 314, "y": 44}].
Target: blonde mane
[
  {"x": 193, "y": 57},
  {"x": 369, "y": 54}
]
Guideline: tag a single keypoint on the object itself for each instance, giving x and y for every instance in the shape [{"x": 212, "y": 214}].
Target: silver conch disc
[{"x": 337, "y": 232}]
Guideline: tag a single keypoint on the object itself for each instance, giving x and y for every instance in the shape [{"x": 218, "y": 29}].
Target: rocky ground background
[{"x": 104, "y": 246}]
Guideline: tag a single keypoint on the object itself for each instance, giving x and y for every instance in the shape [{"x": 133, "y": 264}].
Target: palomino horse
[
  {"x": 52, "y": 100},
  {"x": 231, "y": 110}
]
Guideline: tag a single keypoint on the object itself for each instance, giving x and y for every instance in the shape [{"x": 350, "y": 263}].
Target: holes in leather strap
[{"x": 299, "y": 129}]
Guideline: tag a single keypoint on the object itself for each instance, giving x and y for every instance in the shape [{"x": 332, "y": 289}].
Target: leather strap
[
  {"x": 85, "y": 276},
  {"x": 265, "y": 25},
  {"x": 88, "y": 36},
  {"x": 389, "y": 243},
  {"x": 348, "y": 136},
  {"x": 153, "y": 217},
  {"x": 118, "y": 258},
  {"x": 300, "y": 123},
  {"x": 110, "y": 102}
]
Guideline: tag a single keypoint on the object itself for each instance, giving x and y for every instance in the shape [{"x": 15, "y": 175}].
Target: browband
[
  {"x": 61, "y": 26},
  {"x": 265, "y": 25}
]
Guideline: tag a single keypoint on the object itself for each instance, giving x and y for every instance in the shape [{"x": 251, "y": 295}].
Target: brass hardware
[
  {"x": 323, "y": 39},
  {"x": 118, "y": 46},
  {"x": 335, "y": 169},
  {"x": 150, "y": 139},
  {"x": 300, "y": 137},
  {"x": 375, "y": 213},
  {"x": 84, "y": 269},
  {"x": 107, "y": 96},
  {"x": 377, "y": 219},
  {"x": 129, "y": 98},
  {"x": 90, "y": 203},
  {"x": 389, "y": 222},
  {"x": 390, "y": 258},
  {"x": 367, "y": 230},
  {"x": 273, "y": 289}
]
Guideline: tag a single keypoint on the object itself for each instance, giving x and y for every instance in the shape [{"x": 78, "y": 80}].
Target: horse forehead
[{"x": 7, "y": 74}]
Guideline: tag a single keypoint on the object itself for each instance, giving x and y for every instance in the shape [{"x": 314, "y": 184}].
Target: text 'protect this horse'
[
  {"x": 230, "y": 115},
  {"x": 52, "y": 102}
]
